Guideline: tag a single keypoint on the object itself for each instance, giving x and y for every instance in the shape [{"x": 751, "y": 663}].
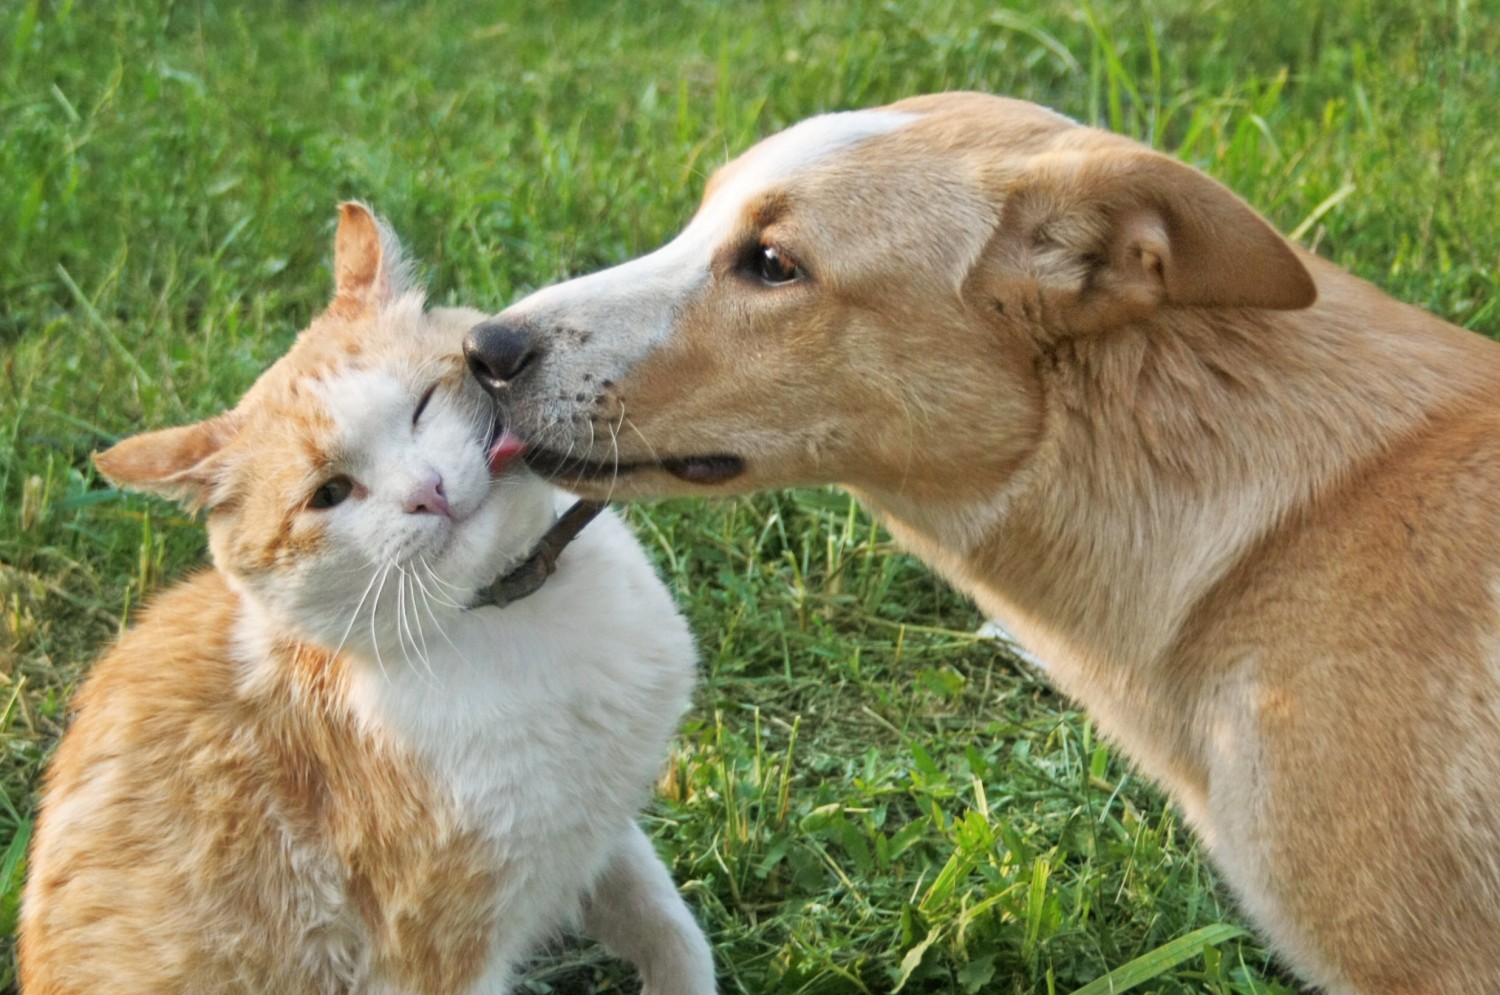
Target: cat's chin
[{"x": 501, "y": 533}]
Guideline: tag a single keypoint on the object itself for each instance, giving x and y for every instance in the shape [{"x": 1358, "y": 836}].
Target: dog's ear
[
  {"x": 370, "y": 269},
  {"x": 1095, "y": 239},
  {"x": 184, "y": 463}
]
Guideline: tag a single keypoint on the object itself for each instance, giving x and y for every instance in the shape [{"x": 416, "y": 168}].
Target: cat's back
[
  {"x": 114, "y": 792},
  {"x": 167, "y": 671}
]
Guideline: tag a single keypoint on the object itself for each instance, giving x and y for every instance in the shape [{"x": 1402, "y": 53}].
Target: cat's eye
[
  {"x": 331, "y": 492},
  {"x": 422, "y": 405}
]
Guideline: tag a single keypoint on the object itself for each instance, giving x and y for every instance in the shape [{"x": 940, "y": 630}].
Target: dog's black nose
[{"x": 498, "y": 352}]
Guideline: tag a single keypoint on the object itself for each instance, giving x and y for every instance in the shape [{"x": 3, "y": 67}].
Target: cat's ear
[
  {"x": 370, "y": 270},
  {"x": 182, "y": 463}
]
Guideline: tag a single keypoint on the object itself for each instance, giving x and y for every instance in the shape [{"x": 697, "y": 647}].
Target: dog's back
[{"x": 1352, "y": 729}]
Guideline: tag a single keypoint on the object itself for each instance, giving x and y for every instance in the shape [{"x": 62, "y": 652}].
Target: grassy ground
[{"x": 866, "y": 798}]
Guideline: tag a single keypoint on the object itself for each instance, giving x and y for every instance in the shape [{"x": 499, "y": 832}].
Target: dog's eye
[
  {"x": 331, "y": 492},
  {"x": 774, "y": 266},
  {"x": 422, "y": 404}
]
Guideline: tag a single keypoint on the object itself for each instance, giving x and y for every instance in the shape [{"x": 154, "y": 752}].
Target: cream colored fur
[
  {"x": 1243, "y": 504},
  {"x": 312, "y": 770}
]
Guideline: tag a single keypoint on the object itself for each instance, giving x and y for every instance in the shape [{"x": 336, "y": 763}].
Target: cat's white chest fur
[
  {"x": 565, "y": 697},
  {"x": 543, "y": 723}
]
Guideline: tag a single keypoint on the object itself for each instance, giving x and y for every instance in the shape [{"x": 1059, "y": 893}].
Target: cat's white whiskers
[
  {"x": 401, "y": 613},
  {"x": 405, "y": 635},
  {"x": 420, "y": 602},
  {"x": 421, "y": 634},
  {"x": 440, "y": 583},
  {"x": 420, "y": 373},
  {"x": 385, "y": 573},
  {"x": 427, "y": 601},
  {"x": 354, "y": 615}
]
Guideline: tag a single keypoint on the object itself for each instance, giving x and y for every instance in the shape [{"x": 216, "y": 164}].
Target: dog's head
[{"x": 864, "y": 299}]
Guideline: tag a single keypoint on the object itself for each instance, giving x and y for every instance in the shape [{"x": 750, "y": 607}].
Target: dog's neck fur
[{"x": 1162, "y": 463}]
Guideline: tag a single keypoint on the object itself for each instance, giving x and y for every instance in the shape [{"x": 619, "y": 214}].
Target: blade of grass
[{"x": 1158, "y": 961}]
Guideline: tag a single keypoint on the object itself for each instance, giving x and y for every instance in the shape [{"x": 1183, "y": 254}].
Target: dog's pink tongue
[{"x": 504, "y": 453}]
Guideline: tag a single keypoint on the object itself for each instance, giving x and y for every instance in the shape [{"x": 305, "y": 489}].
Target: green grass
[{"x": 865, "y": 797}]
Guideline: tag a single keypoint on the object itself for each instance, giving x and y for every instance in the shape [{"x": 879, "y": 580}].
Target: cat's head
[{"x": 358, "y": 480}]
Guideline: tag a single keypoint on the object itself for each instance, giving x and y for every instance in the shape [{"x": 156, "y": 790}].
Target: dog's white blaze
[
  {"x": 636, "y": 300},
  {"x": 779, "y": 158}
]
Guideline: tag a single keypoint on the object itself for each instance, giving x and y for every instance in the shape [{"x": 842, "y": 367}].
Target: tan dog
[{"x": 1246, "y": 506}]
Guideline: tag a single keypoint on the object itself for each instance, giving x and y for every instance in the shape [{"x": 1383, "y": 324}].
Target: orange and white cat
[{"x": 313, "y": 769}]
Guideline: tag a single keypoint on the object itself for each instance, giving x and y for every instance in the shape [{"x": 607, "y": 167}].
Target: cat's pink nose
[{"x": 428, "y": 498}]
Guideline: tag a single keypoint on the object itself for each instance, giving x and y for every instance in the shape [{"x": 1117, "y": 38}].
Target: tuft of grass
[{"x": 867, "y": 797}]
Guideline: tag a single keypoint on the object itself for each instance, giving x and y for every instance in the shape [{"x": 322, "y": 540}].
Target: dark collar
[{"x": 532, "y": 573}]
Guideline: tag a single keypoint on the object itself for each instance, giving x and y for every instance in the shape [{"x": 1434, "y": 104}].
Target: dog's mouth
[
  {"x": 503, "y": 449},
  {"x": 710, "y": 469}
]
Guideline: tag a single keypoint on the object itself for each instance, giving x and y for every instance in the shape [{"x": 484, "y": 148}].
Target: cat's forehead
[
  {"x": 359, "y": 398},
  {"x": 344, "y": 381},
  {"x": 300, "y": 420},
  {"x": 333, "y": 344}
]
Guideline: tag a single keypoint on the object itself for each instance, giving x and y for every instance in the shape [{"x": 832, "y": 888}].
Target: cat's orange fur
[{"x": 158, "y": 698}]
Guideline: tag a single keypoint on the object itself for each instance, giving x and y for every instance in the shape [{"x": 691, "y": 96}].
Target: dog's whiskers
[
  {"x": 628, "y": 422},
  {"x": 614, "y": 438}
]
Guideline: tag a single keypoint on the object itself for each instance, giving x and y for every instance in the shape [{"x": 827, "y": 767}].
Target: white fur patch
[
  {"x": 637, "y": 299},
  {"x": 546, "y": 720}
]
